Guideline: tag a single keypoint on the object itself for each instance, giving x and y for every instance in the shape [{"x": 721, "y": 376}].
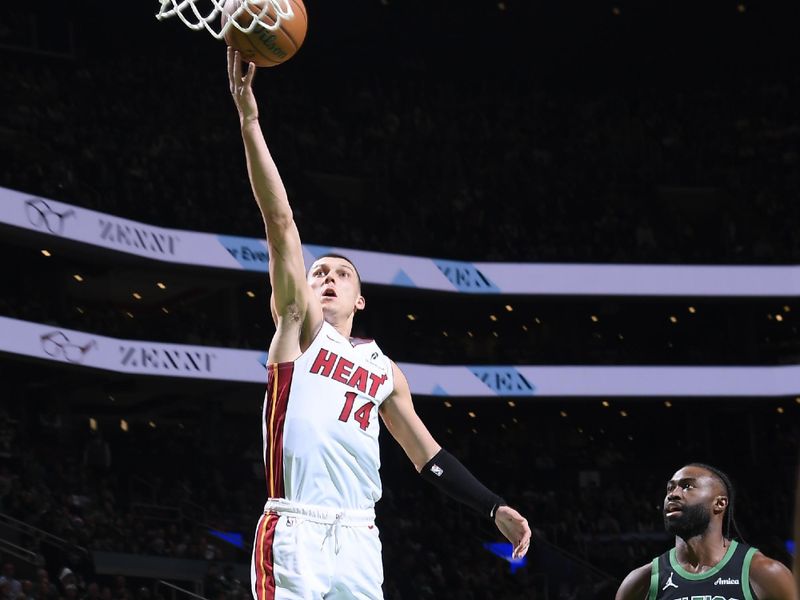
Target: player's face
[
  {"x": 335, "y": 283},
  {"x": 693, "y": 495}
]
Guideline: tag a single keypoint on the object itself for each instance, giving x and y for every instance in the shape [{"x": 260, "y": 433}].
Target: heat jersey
[
  {"x": 320, "y": 423},
  {"x": 728, "y": 580}
]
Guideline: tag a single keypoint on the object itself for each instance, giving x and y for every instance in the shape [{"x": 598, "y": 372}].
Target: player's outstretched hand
[
  {"x": 242, "y": 87},
  {"x": 515, "y": 527}
]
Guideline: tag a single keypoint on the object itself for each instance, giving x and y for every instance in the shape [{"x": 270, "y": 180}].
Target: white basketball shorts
[{"x": 304, "y": 552}]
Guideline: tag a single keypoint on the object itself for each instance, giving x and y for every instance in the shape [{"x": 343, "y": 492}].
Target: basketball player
[
  {"x": 317, "y": 537},
  {"x": 706, "y": 563}
]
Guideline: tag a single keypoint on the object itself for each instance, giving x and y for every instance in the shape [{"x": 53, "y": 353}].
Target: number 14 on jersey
[{"x": 361, "y": 415}]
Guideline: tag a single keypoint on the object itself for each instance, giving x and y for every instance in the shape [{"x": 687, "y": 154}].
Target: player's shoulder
[
  {"x": 771, "y": 578},
  {"x": 636, "y": 585}
]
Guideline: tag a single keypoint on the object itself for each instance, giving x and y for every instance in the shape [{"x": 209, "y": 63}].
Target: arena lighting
[
  {"x": 448, "y": 404},
  {"x": 673, "y": 319},
  {"x": 667, "y": 403},
  {"x": 46, "y": 253},
  {"x": 137, "y": 295},
  {"x": 79, "y": 309},
  {"x": 165, "y": 310},
  {"x": 152, "y": 424},
  {"x": 606, "y": 404},
  {"x": 77, "y": 278},
  {"x": 129, "y": 314},
  {"x": 524, "y": 328},
  {"x": 620, "y": 336},
  {"x": 537, "y": 321},
  {"x": 92, "y": 423},
  {"x": 444, "y": 333},
  {"x": 692, "y": 309},
  {"x": 161, "y": 285},
  {"x": 493, "y": 317},
  {"x": 123, "y": 425},
  {"x": 779, "y": 410},
  {"x": 779, "y": 318},
  {"x": 595, "y": 319},
  {"x": 623, "y": 413},
  {"x": 506, "y": 551},
  {"x": 250, "y": 294},
  {"x": 787, "y": 308},
  {"x": 472, "y": 414},
  {"x": 509, "y": 308},
  {"x": 563, "y": 413},
  {"x": 411, "y": 317},
  {"x": 511, "y": 403}
]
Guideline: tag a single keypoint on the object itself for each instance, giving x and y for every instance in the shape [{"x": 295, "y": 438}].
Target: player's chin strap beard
[{"x": 333, "y": 531}]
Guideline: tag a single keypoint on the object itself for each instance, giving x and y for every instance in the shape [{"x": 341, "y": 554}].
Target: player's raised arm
[
  {"x": 442, "y": 469},
  {"x": 291, "y": 302}
]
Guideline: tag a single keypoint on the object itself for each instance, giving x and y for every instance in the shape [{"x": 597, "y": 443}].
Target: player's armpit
[
  {"x": 405, "y": 425},
  {"x": 636, "y": 585},
  {"x": 771, "y": 580}
]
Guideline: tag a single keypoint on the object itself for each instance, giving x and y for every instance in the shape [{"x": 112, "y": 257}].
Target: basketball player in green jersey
[{"x": 706, "y": 564}]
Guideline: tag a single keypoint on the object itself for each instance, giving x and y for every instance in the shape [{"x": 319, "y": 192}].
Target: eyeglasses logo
[
  {"x": 57, "y": 345},
  {"x": 41, "y": 215}
]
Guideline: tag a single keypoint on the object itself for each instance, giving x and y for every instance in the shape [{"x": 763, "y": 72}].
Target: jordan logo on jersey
[
  {"x": 669, "y": 582},
  {"x": 338, "y": 368}
]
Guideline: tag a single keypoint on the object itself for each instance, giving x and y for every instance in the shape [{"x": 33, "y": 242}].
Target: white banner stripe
[
  {"x": 56, "y": 219},
  {"x": 71, "y": 347}
]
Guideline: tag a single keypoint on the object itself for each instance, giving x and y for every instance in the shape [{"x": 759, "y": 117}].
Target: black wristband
[{"x": 449, "y": 475}]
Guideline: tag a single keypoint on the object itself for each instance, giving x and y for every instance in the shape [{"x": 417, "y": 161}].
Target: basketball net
[{"x": 207, "y": 14}]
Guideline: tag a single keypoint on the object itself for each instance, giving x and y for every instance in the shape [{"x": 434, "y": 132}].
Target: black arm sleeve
[{"x": 449, "y": 475}]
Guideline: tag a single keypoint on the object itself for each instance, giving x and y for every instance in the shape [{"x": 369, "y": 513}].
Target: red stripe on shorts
[
  {"x": 264, "y": 558},
  {"x": 279, "y": 385}
]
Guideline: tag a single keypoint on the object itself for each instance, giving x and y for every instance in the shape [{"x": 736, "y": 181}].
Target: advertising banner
[
  {"x": 66, "y": 346},
  {"x": 58, "y": 220}
]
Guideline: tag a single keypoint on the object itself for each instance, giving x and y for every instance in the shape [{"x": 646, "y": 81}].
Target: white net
[{"x": 208, "y": 14}]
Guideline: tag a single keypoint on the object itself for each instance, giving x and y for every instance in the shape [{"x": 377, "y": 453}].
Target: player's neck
[
  {"x": 343, "y": 325},
  {"x": 701, "y": 552}
]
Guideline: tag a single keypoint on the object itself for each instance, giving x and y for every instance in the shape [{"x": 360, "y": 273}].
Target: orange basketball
[{"x": 262, "y": 46}]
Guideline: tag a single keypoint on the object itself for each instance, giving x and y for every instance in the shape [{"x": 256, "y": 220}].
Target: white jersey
[{"x": 320, "y": 423}]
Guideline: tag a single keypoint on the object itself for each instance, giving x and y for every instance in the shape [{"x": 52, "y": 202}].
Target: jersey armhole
[
  {"x": 651, "y": 595},
  {"x": 746, "y": 589}
]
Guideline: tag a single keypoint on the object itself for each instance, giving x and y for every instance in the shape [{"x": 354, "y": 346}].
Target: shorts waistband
[{"x": 321, "y": 514}]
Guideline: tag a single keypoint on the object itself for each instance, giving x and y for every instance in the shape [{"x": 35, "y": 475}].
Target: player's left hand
[{"x": 515, "y": 527}]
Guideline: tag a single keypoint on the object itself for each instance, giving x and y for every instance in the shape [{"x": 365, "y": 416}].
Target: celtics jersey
[{"x": 728, "y": 580}]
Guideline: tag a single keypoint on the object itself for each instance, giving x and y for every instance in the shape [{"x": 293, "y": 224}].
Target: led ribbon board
[
  {"x": 59, "y": 220},
  {"x": 67, "y": 346}
]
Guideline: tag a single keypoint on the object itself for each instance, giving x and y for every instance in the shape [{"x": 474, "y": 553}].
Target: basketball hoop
[{"x": 208, "y": 14}]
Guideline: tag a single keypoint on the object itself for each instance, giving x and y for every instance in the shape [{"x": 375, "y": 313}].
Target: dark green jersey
[{"x": 728, "y": 580}]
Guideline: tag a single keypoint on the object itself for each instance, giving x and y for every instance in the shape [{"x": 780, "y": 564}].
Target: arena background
[{"x": 529, "y": 132}]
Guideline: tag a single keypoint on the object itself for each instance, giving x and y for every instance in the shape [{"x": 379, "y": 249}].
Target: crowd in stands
[
  {"x": 650, "y": 171},
  {"x": 591, "y": 484}
]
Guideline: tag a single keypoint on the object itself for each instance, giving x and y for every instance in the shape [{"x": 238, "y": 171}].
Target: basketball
[{"x": 262, "y": 46}]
